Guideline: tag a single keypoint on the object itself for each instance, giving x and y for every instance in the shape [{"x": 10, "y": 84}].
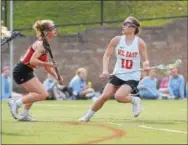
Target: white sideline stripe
[{"x": 163, "y": 129}]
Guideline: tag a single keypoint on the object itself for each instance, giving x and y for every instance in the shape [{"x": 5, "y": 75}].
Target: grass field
[
  {"x": 68, "y": 12},
  {"x": 161, "y": 122}
]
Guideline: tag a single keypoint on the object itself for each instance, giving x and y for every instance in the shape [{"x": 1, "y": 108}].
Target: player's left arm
[
  {"x": 51, "y": 71},
  {"x": 143, "y": 52}
]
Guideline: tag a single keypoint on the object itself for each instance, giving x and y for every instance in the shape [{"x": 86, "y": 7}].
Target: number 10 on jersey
[{"x": 126, "y": 64}]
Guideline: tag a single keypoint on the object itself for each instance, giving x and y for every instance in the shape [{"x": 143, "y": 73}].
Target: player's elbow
[{"x": 32, "y": 61}]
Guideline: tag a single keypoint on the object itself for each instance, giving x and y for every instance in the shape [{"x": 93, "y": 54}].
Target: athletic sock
[
  {"x": 90, "y": 113},
  {"x": 25, "y": 111},
  {"x": 19, "y": 102},
  {"x": 133, "y": 100}
]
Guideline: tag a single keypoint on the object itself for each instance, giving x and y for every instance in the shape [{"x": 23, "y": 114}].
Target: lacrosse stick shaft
[
  {"x": 48, "y": 48},
  {"x": 56, "y": 70},
  {"x": 160, "y": 67},
  {"x": 132, "y": 71}
]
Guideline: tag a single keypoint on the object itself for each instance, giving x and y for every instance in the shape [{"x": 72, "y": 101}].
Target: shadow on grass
[{"x": 61, "y": 121}]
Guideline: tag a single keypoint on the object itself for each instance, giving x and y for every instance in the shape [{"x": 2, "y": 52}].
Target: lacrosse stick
[
  {"x": 13, "y": 35},
  {"x": 48, "y": 48},
  {"x": 158, "y": 67}
]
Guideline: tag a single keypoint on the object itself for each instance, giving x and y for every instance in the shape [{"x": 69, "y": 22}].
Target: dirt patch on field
[{"x": 117, "y": 133}]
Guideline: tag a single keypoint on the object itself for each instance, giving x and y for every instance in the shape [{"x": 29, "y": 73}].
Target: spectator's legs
[{"x": 146, "y": 94}]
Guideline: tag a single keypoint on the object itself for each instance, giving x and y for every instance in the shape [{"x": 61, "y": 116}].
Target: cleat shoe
[
  {"x": 25, "y": 117},
  {"x": 83, "y": 119},
  {"x": 137, "y": 107},
  {"x": 13, "y": 108}
]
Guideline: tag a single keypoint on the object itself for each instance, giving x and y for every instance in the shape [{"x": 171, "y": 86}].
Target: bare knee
[{"x": 118, "y": 98}]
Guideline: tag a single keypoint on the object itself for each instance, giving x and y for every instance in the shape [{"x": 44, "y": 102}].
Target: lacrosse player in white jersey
[{"x": 129, "y": 49}]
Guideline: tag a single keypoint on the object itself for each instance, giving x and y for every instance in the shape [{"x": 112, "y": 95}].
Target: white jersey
[{"x": 128, "y": 59}]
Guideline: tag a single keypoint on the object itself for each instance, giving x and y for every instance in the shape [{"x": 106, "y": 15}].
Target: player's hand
[
  {"x": 104, "y": 75},
  {"x": 50, "y": 64},
  {"x": 146, "y": 65}
]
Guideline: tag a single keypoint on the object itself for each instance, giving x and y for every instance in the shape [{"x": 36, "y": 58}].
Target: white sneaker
[
  {"x": 25, "y": 117},
  {"x": 13, "y": 108},
  {"x": 137, "y": 107},
  {"x": 83, "y": 119}
]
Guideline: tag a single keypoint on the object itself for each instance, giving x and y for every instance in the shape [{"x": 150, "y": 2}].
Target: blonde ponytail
[
  {"x": 42, "y": 25},
  {"x": 37, "y": 28}
]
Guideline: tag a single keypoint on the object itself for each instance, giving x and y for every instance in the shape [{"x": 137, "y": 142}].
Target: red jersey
[{"x": 26, "y": 58}]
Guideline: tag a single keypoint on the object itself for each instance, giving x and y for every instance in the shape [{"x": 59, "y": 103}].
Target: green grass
[
  {"x": 57, "y": 123},
  {"x": 66, "y": 12}
]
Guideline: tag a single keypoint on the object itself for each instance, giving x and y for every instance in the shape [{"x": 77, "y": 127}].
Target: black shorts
[
  {"x": 118, "y": 82},
  {"x": 22, "y": 73}
]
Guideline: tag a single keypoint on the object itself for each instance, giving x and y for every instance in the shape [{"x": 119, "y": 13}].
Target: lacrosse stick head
[
  {"x": 169, "y": 66},
  {"x": 177, "y": 63},
  {"x": 5, "y": 32},
  {"x": 164, "y": 68}
]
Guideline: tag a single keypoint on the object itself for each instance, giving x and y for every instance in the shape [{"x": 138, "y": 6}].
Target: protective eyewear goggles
[
  {"x": 50, "y": 28},
  {"x": 129, "y": 24}
]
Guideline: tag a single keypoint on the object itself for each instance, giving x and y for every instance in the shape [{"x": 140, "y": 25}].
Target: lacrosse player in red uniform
[{"x": 23, "y": 72}]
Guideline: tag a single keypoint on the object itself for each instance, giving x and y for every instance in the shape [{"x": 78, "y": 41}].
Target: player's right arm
[{"x": 110, "y": 48}]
